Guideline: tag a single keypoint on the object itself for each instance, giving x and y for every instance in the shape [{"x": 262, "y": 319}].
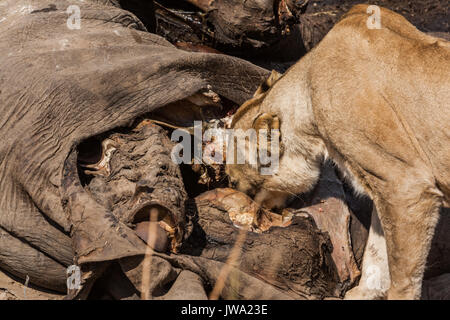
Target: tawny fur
[{"x": 376, "y": 102}]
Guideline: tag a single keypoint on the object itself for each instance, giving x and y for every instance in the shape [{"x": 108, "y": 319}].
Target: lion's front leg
[
  {"x": 409, "y": 211},
  {"x": 374, "y": 282}
]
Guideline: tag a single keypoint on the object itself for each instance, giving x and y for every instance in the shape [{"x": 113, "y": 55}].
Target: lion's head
[{"x": 283, "y": 167}]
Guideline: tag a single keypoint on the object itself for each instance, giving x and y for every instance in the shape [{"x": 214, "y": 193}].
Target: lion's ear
[
  {"x": 268, "y": 122},
  {"x": 265, "y": 86}
]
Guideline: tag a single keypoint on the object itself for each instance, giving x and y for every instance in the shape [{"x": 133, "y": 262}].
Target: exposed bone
[
  {"x": 243, "y": 211},
  {"x": 102, "y": 167}
]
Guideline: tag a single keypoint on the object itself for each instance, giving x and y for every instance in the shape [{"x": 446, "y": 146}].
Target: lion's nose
[{"x": 233, "y": 183}]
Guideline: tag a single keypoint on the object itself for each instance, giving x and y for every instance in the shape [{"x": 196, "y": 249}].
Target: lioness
[{"x": 375, "y": 101}]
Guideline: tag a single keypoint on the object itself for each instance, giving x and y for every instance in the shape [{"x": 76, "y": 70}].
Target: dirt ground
[{"x": 11, "y": 289}]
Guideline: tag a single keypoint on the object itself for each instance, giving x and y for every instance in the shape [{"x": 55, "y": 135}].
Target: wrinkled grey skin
[{"x": 60, "y": 86}]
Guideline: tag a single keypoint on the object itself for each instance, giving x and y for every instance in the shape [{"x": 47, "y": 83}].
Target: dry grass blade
[
  {"x": 231, "y": 261},
  {"x": 147, "y": 264}
]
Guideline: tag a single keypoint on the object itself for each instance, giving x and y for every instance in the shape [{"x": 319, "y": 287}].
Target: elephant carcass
[
  {"x": 241, "y": 251},
  {"x": 61, "y": 85},
  {"x": 282, "y": 256}
]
